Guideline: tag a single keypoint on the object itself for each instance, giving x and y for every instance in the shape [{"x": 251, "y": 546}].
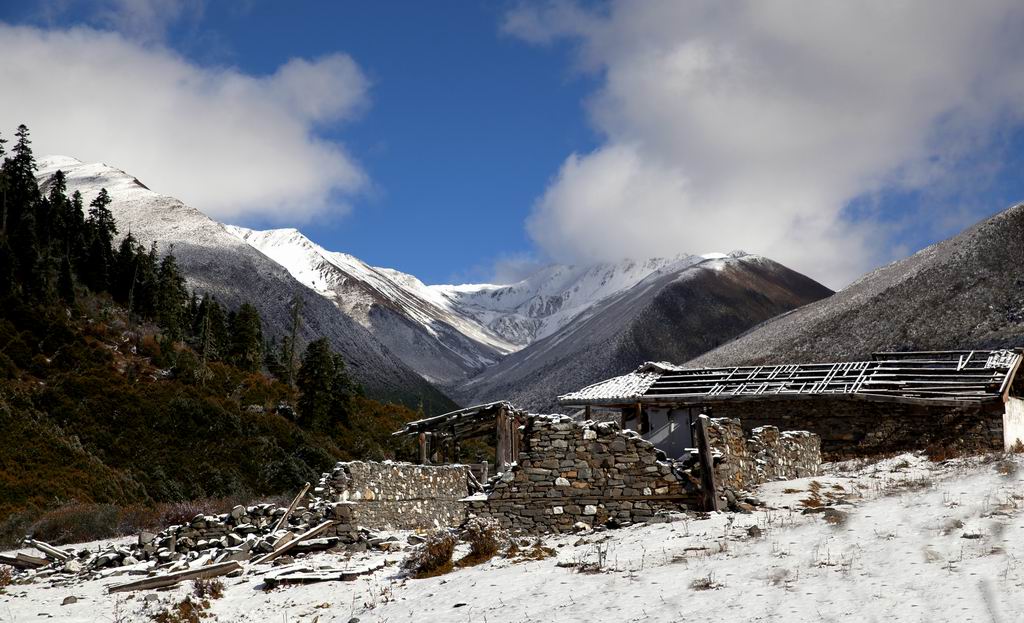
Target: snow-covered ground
[{"x": 906, "y": 540}]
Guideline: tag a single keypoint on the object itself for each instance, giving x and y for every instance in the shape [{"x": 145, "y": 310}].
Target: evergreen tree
[
  {"x": 76, "y": 231},
  {"x": 325, "y": 391},
  {"x": 172, "y": 298},
  {"x": 66, "y": 282},
  {"x": 272, "y": 358},
  {"x": 289, "y": 358},
  {"x": 126, "y": 269},
  {"x": 3, "y": 189},
  {"x": 99, "y": 255},
  {"x": 7, "y": 284},
  {"x": 246, "y": 338}
]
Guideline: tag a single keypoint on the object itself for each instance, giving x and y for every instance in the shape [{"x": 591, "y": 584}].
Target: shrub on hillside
[
  {"x": 76, "y": 523},
  {"x": 433, "y": 556},
  {"x": 485, "y": 538}
]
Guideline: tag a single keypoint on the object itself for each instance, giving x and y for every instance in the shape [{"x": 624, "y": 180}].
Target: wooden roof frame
[{"x": 928, "y": 378}]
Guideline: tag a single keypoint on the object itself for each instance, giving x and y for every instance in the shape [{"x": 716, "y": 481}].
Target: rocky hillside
[
  {"x": 216, "y": 261},
  {"x": 412, "y": 320},
  {"x": 667, "y": 317},
  {"x": 965, "y": 292}
]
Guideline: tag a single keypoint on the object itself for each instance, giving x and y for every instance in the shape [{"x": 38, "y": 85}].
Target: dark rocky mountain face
[
  {"x": 668, "y": 317},
  {"x": 963, "y": 293}
]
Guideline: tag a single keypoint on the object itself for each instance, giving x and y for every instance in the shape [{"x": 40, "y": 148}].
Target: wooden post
[
  {"x": 502, "y": 442},
  {"x": 587, "y": 411},
  {"x": 291, "y": 507},
  {"x": 423, "y": 448},
  {"x": 709, "y": 494}
]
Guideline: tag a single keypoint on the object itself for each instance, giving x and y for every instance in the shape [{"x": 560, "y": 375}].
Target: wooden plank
[
  {"x": 324, "y": 575},
  {"x": 23, "y": 561},
  {"x": 707, "y": 465},
  {"x": 291, "y": 507},
  {"x": 48, "y": 549},
  {"x": 308, "y": 534},
  {"x": 32, "y": 560},
  {"x": 170, "y": 579}
]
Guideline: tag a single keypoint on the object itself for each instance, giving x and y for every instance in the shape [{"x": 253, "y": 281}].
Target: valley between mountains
[{"x": 438, "y": 345}]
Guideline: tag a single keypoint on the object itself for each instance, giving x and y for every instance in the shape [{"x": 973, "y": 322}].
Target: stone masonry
[
  {"x": 765, "y": 456},
  {"x": 397, "y": 496},
  {"x": 851, "y": 428},
  {"x": 571, "y": 472}
]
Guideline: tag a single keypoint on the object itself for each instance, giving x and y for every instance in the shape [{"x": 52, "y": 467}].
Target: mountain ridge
[{"x": 214, "y": 260}]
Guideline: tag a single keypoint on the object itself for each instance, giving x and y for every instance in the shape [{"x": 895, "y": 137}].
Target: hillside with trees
[{"x": 120, "y": 389}]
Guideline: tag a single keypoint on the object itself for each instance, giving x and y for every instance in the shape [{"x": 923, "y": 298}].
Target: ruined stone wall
[
  {"x": 571, "y": 472},
  {"x": 398, "y": 496},
  {"x": 764, "y": 456},
  {"x": 851, "y": 428}
]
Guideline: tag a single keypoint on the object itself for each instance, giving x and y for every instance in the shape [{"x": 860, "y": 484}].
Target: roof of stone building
[
  {"x": 464, "y": 422},
  {"x": 927, "y": 377}
]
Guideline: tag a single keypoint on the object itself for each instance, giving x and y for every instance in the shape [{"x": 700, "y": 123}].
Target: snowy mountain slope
[
  {"x": 216, "y": 261},
  {"x": 398, "y": 309},
  {"x": 966, "y": 292},
  {"x": 670, "y": 316},
  {"x": 546, "y": 301},
  {"x": 451, "y": 332}
]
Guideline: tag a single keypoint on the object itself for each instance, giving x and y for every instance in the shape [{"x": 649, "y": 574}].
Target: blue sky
[{"x": 464, "y": 140}]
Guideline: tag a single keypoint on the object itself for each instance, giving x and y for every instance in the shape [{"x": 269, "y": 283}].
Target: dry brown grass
[
  {"x": 485, "y": 538},
  {"x": 433, "y": 557},
  {"x": 208, "y": 589},
  {"x": 187, "y": 610},
  {"x": 6, "y": 577}
]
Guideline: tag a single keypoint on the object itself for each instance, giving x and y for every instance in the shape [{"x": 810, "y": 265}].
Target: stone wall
[
  {"x": 570, "y": 472},
  {"x": 397, "y": 496},
  {"x": 850, "y": 428},
  {"x": 765, "y": 456}
]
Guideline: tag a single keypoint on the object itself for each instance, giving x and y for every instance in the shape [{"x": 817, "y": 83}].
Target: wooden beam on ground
[
  {"x": 308, "y": 534},
  {"x": 707, "y": 464},
  {"x": 291, "y": 507},
  {"x": 170, "y": 579},
  {"x": 328, "y": 575},
  {"x": 23, "y": 561},
  {"x": 48, "y": 549}
]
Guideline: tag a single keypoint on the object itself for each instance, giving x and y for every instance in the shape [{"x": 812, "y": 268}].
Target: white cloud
[
  {"x": 754, "y": 124},
  {"x": 231, "y": 144},
  {"x": 141, "y": 20}
]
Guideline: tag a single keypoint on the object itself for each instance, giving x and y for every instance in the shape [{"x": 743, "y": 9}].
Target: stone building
[{"x": 895, "y": 401}]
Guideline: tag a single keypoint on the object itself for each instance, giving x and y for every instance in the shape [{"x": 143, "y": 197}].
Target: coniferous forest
[{"x": 121, "y": 391}]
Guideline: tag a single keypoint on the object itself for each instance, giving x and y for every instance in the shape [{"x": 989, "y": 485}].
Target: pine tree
[
  {"x": 289, "y": 359},
  {"x": 99, "y": 255},
  {"x": 172, "y": 298},
  {"x": 247, "y": 338},
  {"x": 325, "y": 391},
  {"x": 3, "y": 189},
  {"x": 66, "y": 282},
  {"x": 7, "y": 284}
]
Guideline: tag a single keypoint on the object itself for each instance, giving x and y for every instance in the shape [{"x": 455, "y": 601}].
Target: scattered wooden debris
[
  {"x": 281, "y": 549},
  {"x": 306, "y": 575},
  {"x": 291, "y": 507},
  {"x": 170, "y": 579},
  {"x": 23, "y": 561},
  {"x": 48, "y": 549}
]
